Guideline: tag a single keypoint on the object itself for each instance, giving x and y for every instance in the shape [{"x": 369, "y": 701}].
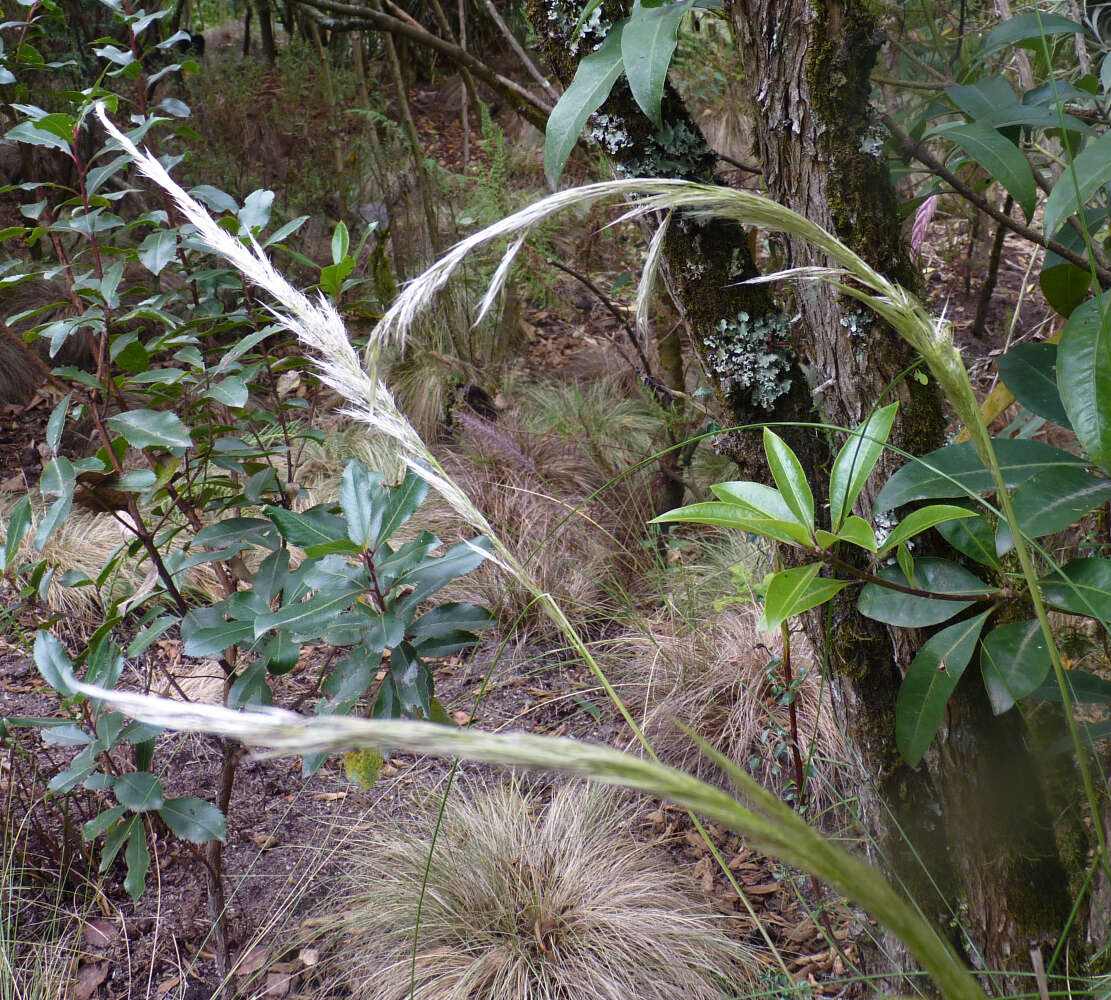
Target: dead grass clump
[
  {"x": 714, "y": 678},
  {"x": 525, "y": 902},
  {"x": 544, "y": 496}
]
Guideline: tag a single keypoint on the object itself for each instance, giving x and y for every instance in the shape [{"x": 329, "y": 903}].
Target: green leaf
[
  {"x": 54, "y": 664},
  {"x": 911, "y": 611},
  {"x": 1078, "y": 184},
  {"x": 362, "y": 767},
  {"x": 728, "y": 515},
  {"x": 151, "y": 429},
  {"x": 956, "y": 471},
  {"x": 230, "y": 391},
  {"x": 412, "y": 681},
  {"x": 1024, "y": 28},
  {"x": 647, "y": 45},
  {"x": 1014, "y": 660},
  {"x": 859, "y": 532},
  {"x": 158, "y": 249},
  {"x": 1001, "y": 158},
  {"x": 341, "y": 240},
  {"x": 194, "y": 820},
  {"x": 922, "y": 519},
  {"x": 280, "y": 655},
  {"x": 855, "y": 462},
  {"x": 56, "y": 422},
  {"x": 116, "y": 838},
  {"x": 1084, "y": 689},
  {"x": 974, "y": 537},
  {"x": 96, "y": 826},
  {"x": 594, "y": 79},
  {"x": 761, "y": 500},
  {"x": 212, "y": 640},
  {"x": 314, "y": 526},
  {"x": 350, "y": 677},
  {"x": 308, "y": 619},
  {"x": 29, "y": 132},
  {"x": 793, "y": 591},
  {"x": 1063, "y": 284},
  {"x": 255, "y": 213},
  {"x": 789, "y": 476},
  {"x": 19, "y": 522},
  {"x": 138, "y": 862},
  {"x": 360, "y": 495},
  {"x": 1084, "y": 376},
  {"x": 1082, "y": 587},
  {"x": 1051, "y": 502},
  {"x": 929, "y": 681},
  {"x": 1030, "y": 372},
  {"x": 433, "y": 574},
  {"x": 139, "y": 791},
  {"x": 402, "y": 502}
]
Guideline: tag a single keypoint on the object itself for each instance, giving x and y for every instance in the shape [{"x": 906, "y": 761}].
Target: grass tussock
[
  {"x": 578, "y": 534},
  {"x": 527, "y": 902},
  {"x": 723, "y": 679}
]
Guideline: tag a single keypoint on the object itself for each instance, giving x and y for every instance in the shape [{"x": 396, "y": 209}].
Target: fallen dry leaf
[
  {"x": 89, "y": 978},
  {"x": 166, "y": 985},
  {"x": 309, "y": 956},
  {"x": 250, "y": 962},
  {"x": 100, "y": 933}
]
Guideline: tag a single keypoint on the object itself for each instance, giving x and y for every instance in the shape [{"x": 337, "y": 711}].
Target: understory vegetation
[{"x": 555, "y": 501}]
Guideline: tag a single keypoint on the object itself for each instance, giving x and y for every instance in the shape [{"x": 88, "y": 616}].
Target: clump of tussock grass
[
  {"x": 526, "y": 902},
  {"x": 719, "y": 678},
  {"x": 547, "y": 498}
]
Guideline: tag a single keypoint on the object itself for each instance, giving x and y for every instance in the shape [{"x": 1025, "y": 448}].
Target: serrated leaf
[
  {"x": 139, "y": 791},
  {"x": 1084, "y": 376},
  {"x": 194, "y": 820},
  {"x": 929, "y": 681},
  {"x": 1089, "y": 171},
  {"x": 793, "y": 591},
  {"x": 921, "y": 520},
  {"x": 1052, "y": 501},
  {"x": 789, "y": 476},
  {"x": 594, "y": 79},
  {"x": 956, "y": 471},
  {"x": 1014, "y": 660},
  {"x": 855, "y": 462},
  {"x": 1030, "y": 372},
  {"x": 912, "y": 611},
  {"x": 647, "y": 45}
]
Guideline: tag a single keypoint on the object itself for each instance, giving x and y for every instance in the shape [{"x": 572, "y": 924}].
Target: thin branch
[
  {"x": 918, "y": 151},
  {"x": 520, "y": 52}
]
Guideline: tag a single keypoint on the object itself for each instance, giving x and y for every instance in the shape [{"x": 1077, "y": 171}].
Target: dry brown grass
[
  {"x": 526, "y": 902},
  {"x": 713, "y": 676}
]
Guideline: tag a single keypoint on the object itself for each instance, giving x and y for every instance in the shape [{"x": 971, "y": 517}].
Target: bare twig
[{"x": 520, "y": 52}]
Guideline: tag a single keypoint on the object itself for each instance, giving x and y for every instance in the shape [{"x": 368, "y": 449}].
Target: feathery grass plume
[
  {"x": 524, "y": 901},
  {"x": 767, "y": 824},
  {"x": 713, "y": 678}
]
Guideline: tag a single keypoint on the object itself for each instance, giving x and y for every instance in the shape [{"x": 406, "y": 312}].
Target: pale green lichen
[{"x": 741, "y": 352}]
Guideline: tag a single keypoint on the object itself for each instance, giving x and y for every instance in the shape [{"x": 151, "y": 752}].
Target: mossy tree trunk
[{"x": 971, "y": 835}]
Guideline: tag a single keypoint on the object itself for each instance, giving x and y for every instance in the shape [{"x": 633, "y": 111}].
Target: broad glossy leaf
[
  {"x": 1014, "y": 660},
  {"x": 1052, "y": 501},
  {"x": 251, "y": 686},
  {"x": 855, "y": 462},
  {"x": 1025, "y": 27},
  {"x": 238, "y": 533},
  {"x": 309, "y": 619},
  {"x": 647, "y": 45},
  {"x": 314, "y": 526},
  {"x": 349, "y": 679},
  {"x": 1001, "y": 158},
  {"x": 1082, "y": 587},
  {"x": 411, "y": 680},
  {"x": 211, "y": 640},
  {"x": 1030, "y": 372},
  {"x": 194, "y": 820},
  {"x": 158, "y": 249},
  {"x": 793, "y": 591},
  {"x": 360, "y": 495},
  {"x": 435, "y": 574},
  {"x": 255, "y": 213},
  {"x": 151, "y": 429},
  {"x": 1084, "y": 689},
  {"x": 115, "y": 840},
  {"x": 859, "y": 532},
  {"x": 930, "y": 680},
  {"x": 972, "y": 536},
  {"x": 728, "y": 515},
  {"x": 789, "y": 476},
  {"x": 19, "y": 522},
  {"x": 1084, "y": 376},
  {"x": 911, "y": 611},
  {"x": 1078, "y": 184},
  {"x": 922, "y": 519},
  {"x": 280, "y": 654},
  {"x": 96, "y": 826},
  {"x": 1063, "y": 284},
  {"x": 593, "y": 81},
  {"x": 402, "y": 503},
  {"x": 761, "y": 500},
  {"x": 956, "y": 471},
  {"x": 139, "y": 791}
]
